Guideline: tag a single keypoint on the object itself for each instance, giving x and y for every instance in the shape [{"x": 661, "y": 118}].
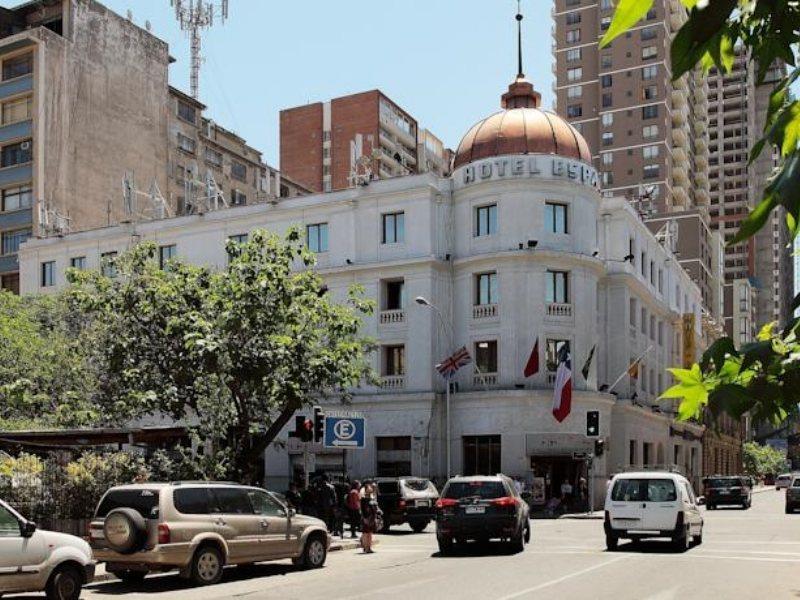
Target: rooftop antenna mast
[{"x": 194, "y": 16}]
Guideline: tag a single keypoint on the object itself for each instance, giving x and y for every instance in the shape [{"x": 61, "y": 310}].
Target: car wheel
[
  {"x": 528, "y": 532},
  {"x": 612, "y": 542},
  {"x": 64, "y": 584},
  {"x": 314, "y": 553},
  {"x": 207, "y": 566},
  {"x": 517, "y": 542},
  {"x": 789, "y": 509},
  {"x": 711, "y": 507},
  {"x": 682, "y": 541},
  {"x": 445, "y": 545},
  {"x": 129, "y": 576},
  {"x": 418, "y": 526}
]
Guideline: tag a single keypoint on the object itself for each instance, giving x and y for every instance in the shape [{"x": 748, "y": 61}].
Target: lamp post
[{"x": 422, "y": 301}]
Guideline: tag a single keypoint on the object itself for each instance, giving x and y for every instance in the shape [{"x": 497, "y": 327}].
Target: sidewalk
[{"x": 100, "y": 574}]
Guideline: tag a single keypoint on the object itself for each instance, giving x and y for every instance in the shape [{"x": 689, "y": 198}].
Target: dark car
[
  {"x": 722, "y": 490},
  {"x": 409, "y": 500},
  {"x": 481, "y": 508},
  {"x": 793, "y": 495}
]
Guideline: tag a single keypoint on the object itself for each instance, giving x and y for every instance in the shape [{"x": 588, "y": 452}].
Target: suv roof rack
[{"x": 194, "y": 481}]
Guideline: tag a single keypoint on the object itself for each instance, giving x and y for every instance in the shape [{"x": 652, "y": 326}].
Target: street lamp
[{"x": 422, "y": 301}]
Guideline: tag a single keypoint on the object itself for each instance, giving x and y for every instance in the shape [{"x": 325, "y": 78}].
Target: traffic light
[
  {"x": 303, "y": 429},
  {"x": 319, "y": 424},
  {"x": 592, "y": 423},
  {"x": 599, "y": 447}
]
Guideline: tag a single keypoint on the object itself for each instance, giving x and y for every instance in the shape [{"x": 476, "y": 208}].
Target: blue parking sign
[{"x": 344, "y": 431}]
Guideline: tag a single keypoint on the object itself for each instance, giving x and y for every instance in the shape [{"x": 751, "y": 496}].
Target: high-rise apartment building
[{"x": 353, "y": 139}]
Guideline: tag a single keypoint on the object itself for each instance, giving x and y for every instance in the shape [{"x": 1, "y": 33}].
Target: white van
[
  {"x": 652, "y": 504},
  {"x": 32, "y": 559}
]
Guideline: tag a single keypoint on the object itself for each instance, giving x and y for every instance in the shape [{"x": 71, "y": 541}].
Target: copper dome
[{"x": 521, "y": 128}]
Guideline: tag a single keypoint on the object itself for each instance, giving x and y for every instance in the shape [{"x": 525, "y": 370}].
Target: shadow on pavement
[
  {"x": 648, "y": 547},
  {"x": 480, "y": 549}
]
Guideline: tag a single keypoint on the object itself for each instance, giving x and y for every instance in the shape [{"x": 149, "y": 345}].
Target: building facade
[
  {"x": 345, "y": 141},
  {"x": 517, "y": 245}
]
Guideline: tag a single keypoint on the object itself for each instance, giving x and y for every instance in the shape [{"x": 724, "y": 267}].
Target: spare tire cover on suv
[{"x": 125, "y": 530}]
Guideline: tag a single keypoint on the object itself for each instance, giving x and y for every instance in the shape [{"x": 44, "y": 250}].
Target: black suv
[
  {"x": 409, "y": 500},
  {"x": 722, "y": 490},
  {"x": 481, "y": 508}
]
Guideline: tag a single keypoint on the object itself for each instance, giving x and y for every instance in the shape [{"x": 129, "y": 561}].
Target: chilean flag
[
  {"x": 532, "y": 366},
  {"x": 562, "y": 394}
]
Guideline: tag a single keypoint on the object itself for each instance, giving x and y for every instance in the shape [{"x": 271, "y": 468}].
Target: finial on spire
[{"x": 520, "y": 74}]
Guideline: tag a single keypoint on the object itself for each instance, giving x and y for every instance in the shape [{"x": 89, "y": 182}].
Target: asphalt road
[{"x": 745, "y": 554}]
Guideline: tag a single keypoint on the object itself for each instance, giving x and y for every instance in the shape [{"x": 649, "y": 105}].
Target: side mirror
[
  {"x": 28, "y": 529},
  {"x": 701, "y": 500},
  {"x": 290, "y": 512}
]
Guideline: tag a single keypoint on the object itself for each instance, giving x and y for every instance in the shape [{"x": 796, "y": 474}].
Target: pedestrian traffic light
[
  {"x": 599, "y": 447},
  {"x": 319, "y": 424},
  {"x": 593, "y": 423},
  {"x": 303, "y": 429}
]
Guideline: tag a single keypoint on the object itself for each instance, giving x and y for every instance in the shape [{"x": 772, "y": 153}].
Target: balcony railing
[
  {"x": 392, "y": 317},
  {"x": 558, "y": 309},
  {"x": 393, "y": 382},
  {"x": 484, "y": 379},
  {"x": 484, "y": 311}
]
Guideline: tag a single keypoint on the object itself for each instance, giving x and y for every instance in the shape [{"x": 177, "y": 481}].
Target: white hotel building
[{"x": 517, "y": 244}]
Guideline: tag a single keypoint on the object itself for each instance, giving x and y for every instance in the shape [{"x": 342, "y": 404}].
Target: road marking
[
  {"x": 393, "y": 588},
  {"x": 750, "y": 558},
  {"x": 567, "y": 577}
]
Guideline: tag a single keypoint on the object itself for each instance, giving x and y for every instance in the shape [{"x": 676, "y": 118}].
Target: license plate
[
  {"x": 475, "y": 510},
  {"x": 422, "y": 503},
  {"x": 725, "y": 492}
]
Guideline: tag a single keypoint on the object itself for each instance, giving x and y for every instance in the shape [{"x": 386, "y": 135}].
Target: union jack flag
[{"x": 448, "y": 367}]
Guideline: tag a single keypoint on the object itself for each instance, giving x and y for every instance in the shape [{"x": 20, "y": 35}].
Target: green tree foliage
[
  {"x": 760, "y": 377},
  {"x": 233, "y": 353},
  {"x": 761, "y": 460},
  {"x": 45, "y": 379}
]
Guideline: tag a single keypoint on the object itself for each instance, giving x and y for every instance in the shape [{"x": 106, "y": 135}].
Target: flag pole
[
  {"x": 447, "y": 419},
  {"x": 641, "y": 356}
]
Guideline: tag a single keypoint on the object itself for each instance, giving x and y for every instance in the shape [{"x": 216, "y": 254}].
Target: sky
[{"x": 446, "y": 62}]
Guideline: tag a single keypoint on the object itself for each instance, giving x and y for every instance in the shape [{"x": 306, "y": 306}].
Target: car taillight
[
  {"x": 94, "y": 531},
  {"x": 163, "y": 533},
  {"x": 401, "y": 504},
  {"x": 505, "y": 501},
  {"x": 446, "y": 503}
]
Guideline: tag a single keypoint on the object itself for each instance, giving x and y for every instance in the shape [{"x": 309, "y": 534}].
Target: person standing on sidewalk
[
  {"x": 369, "y": 514},
  {"x": 354, "y": 507}
]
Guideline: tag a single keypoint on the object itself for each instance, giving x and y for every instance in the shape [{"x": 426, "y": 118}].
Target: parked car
[
  {"x": 793, "y": 495},
  {"x": 481, "y": 508},
  {"x": 721, "y": 490},
  {"x": 199, "y": 527},
  {"x": 769, "y": 479},
  {"x": 782, "y": 481},
  {"x": 32, "y": 559},
  {"x": 652, "y": 504},
  {"x": 409, "y": 500}
]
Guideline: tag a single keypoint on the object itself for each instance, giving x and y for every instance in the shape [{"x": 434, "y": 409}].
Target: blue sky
[{"x": 444, "y": 61}]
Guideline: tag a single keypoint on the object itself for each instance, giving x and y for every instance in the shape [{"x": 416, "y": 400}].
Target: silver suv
[{"x": 198, "y": 527}]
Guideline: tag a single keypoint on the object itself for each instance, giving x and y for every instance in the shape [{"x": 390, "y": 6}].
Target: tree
[
  {"x": 761, "y": 377},
  {"x": 762, "y": 460},
  {"x": 233, "y": 353}
]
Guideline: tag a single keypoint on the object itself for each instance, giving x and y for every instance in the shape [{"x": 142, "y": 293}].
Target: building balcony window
[
  {"x": 393, "y": 382},
  {"x": 392, "y": 317},
  {"x": 484, "y": 311},
  {"x": 484, "y": 379},
  {"x": 558, "y": 309}
]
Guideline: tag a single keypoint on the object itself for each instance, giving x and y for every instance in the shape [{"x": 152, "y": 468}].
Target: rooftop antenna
[
  {"x": 195, "y": 16},
  {"x": 520, "y": 74}
]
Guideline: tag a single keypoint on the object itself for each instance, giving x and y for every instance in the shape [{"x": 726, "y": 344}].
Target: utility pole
[{"x": 194, "y": 16}]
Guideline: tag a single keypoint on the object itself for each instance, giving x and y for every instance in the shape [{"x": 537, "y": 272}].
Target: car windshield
[
  {"x": 720, "y": 482},
  {"x": 419, "y": 485},
  {"x": 643, "y": 490},
  {"x": 144, "y": 501},
  {"x": 471, "y": 489},
  {"x": 796, "y": 483}
]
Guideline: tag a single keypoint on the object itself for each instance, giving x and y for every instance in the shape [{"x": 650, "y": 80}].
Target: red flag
[
  {"x": 532, "y": 366},
  {"x": 562, "y": 394}
]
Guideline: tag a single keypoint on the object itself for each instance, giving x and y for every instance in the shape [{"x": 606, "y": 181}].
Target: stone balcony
[
  {"x": 484, "y": 311},
  {"x": 392, "y": 317}
]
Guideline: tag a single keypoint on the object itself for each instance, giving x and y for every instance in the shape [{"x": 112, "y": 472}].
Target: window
[
  {"x": 48, "y": 274},
  {"x": 661, "y": 333},
  {"x": 555, "y": 217},
  {"x": 326, "y": 135},
  {"x": 574, "y": 55},
  {"x": 651, "y": 14},
  {"x": 648, "y": 33},
  {"x": 650, "y": 112},
  {"x": 650, "y": 152},
  {"x": 17, "y": 66},
  {"x": 607, "y": 178},
  {"x": 574, "y": 74},
  {"x": 393, "y": 455},
  {"x": 193, "y": 501},
  {"x": 632, "y": 311},
  {"x": 649, "y": 72},
  {"x": 649, "y": 92},
  {"x": 166, "y": 254},
  {"x": 606, "y": 4},
  {"x": 10, "y": 282},
  {"x": 108, "y": 264},
  {"x": 607, "y": 119},
  {"x": 394, "y": 360},
  {"x": 486, "y": 220},
  {"x": 605, "y": 23},
  {"x": 17, "y": 197},
  {"x": 486, "y": 288},
  {"x": 13, "y": 239},
  {"x": 9, "y": 525},
  {"x": 608, "y": 138},
  {"x": 644, "y": 490},
  {"x": 649, "y": 131},
  {"x": 605, "y": 81},
  {"x": 238, "y": 198},
  {"x": 238, "y": 171},
  {"x": 394, "y": 293},
  {"x": 551, "y": 353},
  {"x": 660, "y": 281},
  {"x": 232, "y": 501},
  {"x": 264, "y": 504},
  {"x": 317, "y": 237},
  {"x": 606, "y": 62},
  {"x": 649, "y": 52},
  {"x": 632, "y": 452},
  {"x": 652, "y": 327},
  {"x": 574, "y": 110},
  {"x": 187, "y": 112},
  {"x": 481, "y": 454},
  {"x": 186, "y": 144},
  {"x": 78, "y": 262},
  {"x": 394, "y": 230},
  {"x": 213, "y": 157},
  {"x": 574, "y": 91},
  {"x": 486, "y": 357},
  {"x": 573, "y": 35},
  {"x": 17, "y": 110},
  {"x": 607, "y": 158},
  {"x": 557, "y": 287},
  {"x": 239, "y": 238},
  {"x": 16, "y": 154},
  {"x": 607, "y": 100},
  {"x": 573, "y": 18},
  {"x": 651, "y": 171}
]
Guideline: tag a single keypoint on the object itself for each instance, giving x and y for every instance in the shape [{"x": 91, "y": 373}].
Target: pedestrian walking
[
  {"x": 354, "y": 507},
  {"x": 293, "y": 497},
  {"x": 369, "y": 517}
]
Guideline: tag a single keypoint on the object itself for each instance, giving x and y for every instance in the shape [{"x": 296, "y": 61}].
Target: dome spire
[{"x": 520, "y": 93}]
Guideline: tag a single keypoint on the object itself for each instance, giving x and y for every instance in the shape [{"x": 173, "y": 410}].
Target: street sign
[{"x": 344, "y": 430}]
